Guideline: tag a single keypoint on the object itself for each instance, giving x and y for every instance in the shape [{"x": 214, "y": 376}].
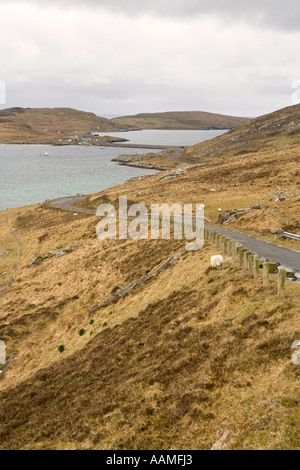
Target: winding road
[{"x": 285, "y": 257}]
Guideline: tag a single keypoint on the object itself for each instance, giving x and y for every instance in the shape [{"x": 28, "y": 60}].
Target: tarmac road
[{"x": 284, "y": 256}]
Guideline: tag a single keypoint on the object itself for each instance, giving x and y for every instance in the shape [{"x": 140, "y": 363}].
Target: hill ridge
[
  {"x": 181, "y": 120},
  {"x": 49, "y": 125},
  {"x": 275, "y": 129}
]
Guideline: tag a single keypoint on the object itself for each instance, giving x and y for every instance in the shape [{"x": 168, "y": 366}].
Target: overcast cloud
[{"x": 129, "y": 56}]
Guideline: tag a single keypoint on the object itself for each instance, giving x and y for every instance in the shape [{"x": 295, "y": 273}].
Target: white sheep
[{"x": 216, "y": 261}]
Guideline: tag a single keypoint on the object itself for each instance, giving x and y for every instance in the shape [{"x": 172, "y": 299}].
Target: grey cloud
[
  {"x": 130, "y": 97},
  {"x": 112, "y": 64},
  {"x": 274, "y": 13}
]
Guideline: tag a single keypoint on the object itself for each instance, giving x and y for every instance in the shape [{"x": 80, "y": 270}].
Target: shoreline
[
  {"x": 120, "y": 144},
  {"x": 121, "y": 160},
  {"x": 143, "y": 167},
  {"x": 46, "y": 201}
]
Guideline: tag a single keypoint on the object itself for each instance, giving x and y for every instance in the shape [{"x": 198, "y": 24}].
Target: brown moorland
[
  {"x": 45, "y": 125},
  {"x": 269, "y": 132},
  {"x": 181, "y": 120},
  {"x": 190, "y": 355}
]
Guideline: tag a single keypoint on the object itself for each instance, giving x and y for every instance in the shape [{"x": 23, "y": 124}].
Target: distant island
[
  {"x": 182, "y": 120},
  {"x": 66, "y": 126},
  {"x": 53, "y": 126}
]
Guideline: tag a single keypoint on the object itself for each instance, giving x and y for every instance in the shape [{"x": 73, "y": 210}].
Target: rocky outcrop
[
  {"x": 4, "y": 252},
  {"x": 52, "y": 254},
  {"x": 168, "y": 262},
  {"x": 134, "y": 158},
  {"x": 175, "y": 173},
  {"x": 118, "y": 293},
  {"x": 228, "y": 217}
]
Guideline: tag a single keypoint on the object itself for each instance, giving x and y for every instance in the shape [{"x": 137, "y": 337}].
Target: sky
[{"x": 120, "y": 57}]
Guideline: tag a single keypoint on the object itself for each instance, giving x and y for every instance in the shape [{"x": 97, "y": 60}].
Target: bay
[
  {"x": 27, "y": 176},
  {"x": 166, "y": 137}
]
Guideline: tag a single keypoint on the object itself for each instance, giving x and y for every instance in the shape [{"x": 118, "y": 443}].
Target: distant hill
[
  {"x": 181, "y": 120},
  {"x": 18, "y": 125},
  {"x": 271, "y": 130}
]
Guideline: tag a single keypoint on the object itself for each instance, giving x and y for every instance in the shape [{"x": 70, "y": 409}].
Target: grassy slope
[
  {"x": 279, "y": 129},
  {"x": 189, "y": 355},
  {"x": 180, "y": 120},
  {"x": 164, "y": 368},
  {"x": 26, "y": 125},
  {"x": 9, "y": 243}
]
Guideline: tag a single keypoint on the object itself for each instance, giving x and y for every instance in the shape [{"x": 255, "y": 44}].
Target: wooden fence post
[
  {"x": 235, "y": 251},
  {"x": 272, "y": 267},
  {"x": 223, "y": 243},
  {"x": 238, "y": 251},
  {"x": 246, "y": 260},
  {"x": 241, "y": 256},
  {"x": 250, "y": 264},
  {"x": 281, "y": 282},
  {"x": 226, "y": 243},
  {"x": 256, "y": 267},
  {"x": 266, "y": 271}
]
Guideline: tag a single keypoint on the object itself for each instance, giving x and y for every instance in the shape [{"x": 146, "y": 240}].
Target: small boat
[{"x": 46, "y": 154}]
